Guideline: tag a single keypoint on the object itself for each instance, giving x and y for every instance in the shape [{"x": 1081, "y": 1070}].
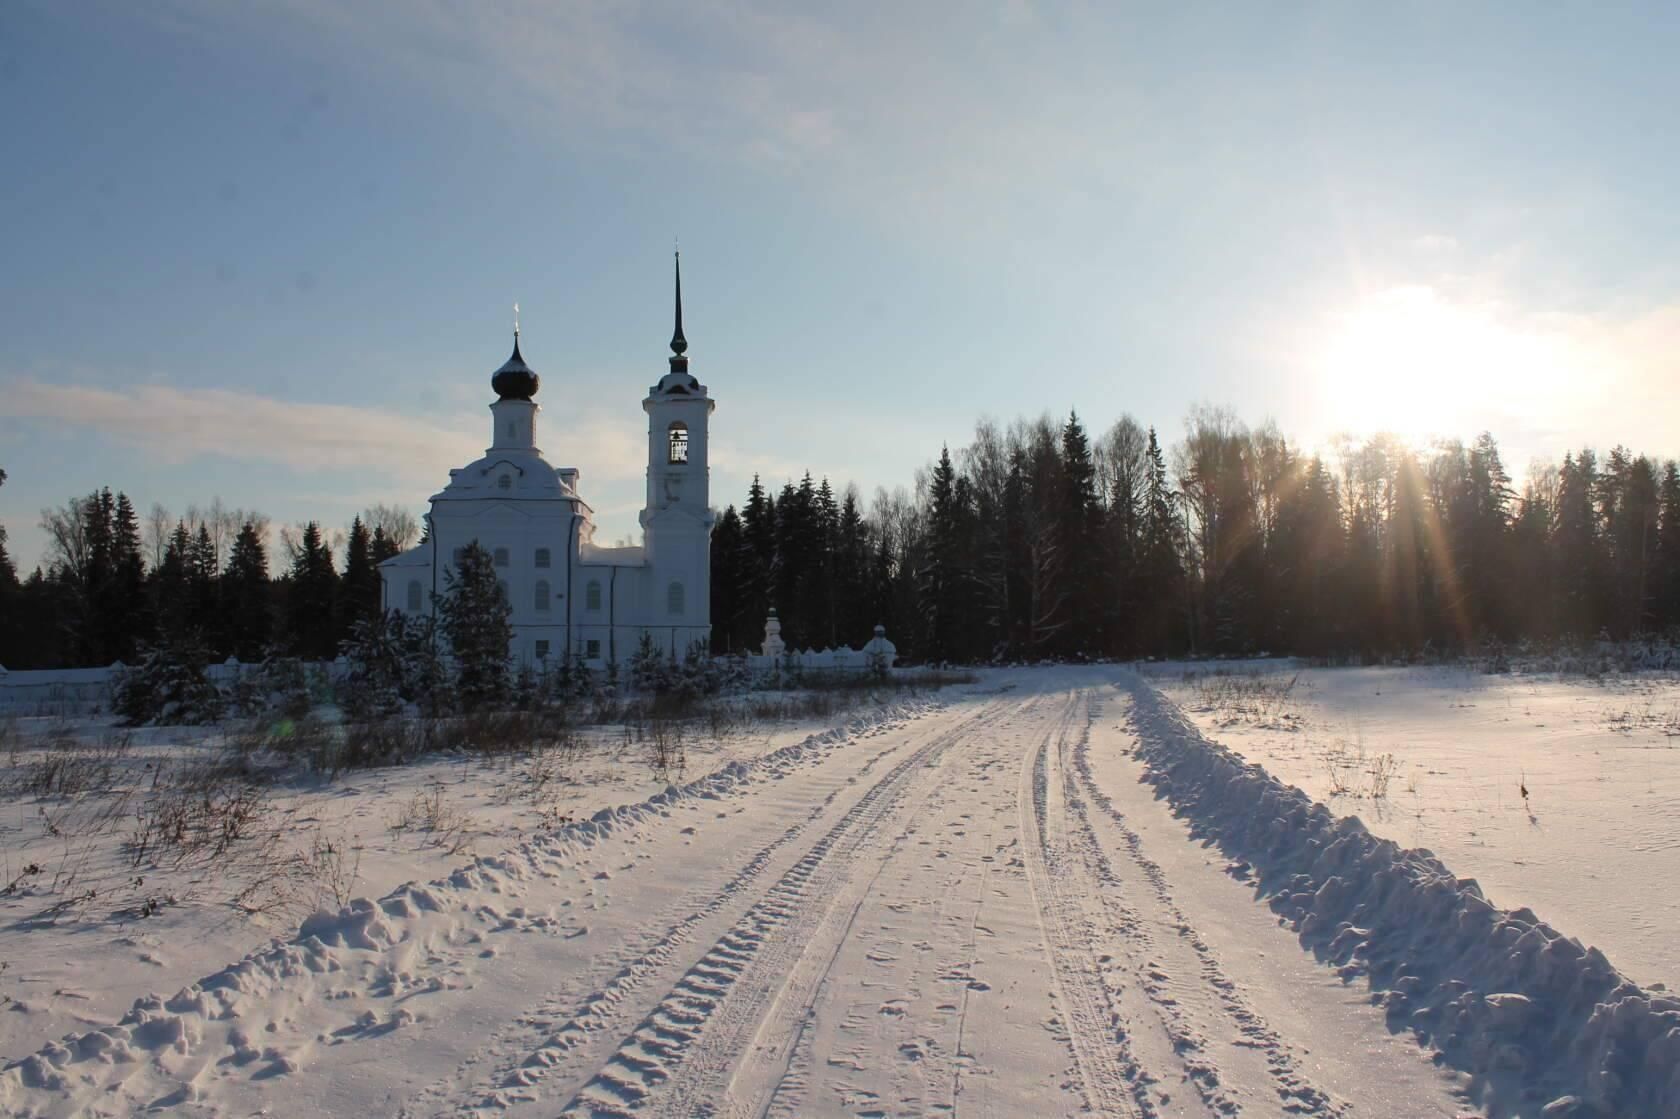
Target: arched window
[
  {"x": 674, "y": 597},
  {"x": 592, "y": 595},
  {"x": 542, "y": 594},
  {"x": 501, "y": 557},
  {"x": 678, "y": 433},
  {"x": 510, "y": 429},
  {"x": 414, "y": 596},
  {"x": 542, "y": 557},
  {"x": 502, "y": 586}
]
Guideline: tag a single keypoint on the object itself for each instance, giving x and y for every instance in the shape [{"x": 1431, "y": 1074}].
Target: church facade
[{"x": 570, "y": 598}]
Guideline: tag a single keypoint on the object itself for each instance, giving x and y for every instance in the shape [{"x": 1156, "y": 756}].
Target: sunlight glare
[{"x": 1411, "y": 362}]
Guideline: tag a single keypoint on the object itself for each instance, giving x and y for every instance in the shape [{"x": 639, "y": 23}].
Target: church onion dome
[{"x": 515, "y": 380}]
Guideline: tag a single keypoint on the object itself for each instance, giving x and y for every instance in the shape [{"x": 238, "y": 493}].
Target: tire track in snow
[
  {"x": 679, "y": 1059},
  {"x": 1295, "y": 1091},
  {"x": 531, "y": 1048},
  {"x": 1063, "y": 893}
]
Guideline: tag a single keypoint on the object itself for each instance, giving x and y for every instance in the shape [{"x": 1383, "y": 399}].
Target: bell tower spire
[{"x": 679, "y": 344}]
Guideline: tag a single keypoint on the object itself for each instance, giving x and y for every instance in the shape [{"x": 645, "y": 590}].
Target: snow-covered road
[{"x": 979, "y": 909}]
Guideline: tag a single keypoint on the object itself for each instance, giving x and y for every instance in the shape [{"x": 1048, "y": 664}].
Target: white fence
[{"x": 85, "y": 691}]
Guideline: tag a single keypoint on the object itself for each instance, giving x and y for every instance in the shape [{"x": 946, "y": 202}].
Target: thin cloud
[{"x": 178, "y": 425}]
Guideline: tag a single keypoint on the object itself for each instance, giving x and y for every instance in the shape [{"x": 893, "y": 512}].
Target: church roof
[{"x": 515, "y": 380}]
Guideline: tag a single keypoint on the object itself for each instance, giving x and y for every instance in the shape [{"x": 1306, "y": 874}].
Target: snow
[
  {"x": 1048, "y": 893},
  {"x": 313, "y": 843},
  {"x": 1600, "y": 760}
]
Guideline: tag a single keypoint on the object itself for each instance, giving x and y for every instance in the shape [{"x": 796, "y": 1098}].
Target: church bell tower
[
  {"x": 678, "y": 472},
  {"x": 677, "y": 520}
]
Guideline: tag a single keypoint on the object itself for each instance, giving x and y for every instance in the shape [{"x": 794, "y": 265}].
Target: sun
[{"x": 1413, "y": 362}]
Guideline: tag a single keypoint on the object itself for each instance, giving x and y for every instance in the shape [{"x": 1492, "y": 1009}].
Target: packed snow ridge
[{"x": 1531, "y": 1013}]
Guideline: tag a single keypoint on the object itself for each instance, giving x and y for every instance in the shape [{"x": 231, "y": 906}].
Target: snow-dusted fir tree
[{"x": 475, "y": 614}]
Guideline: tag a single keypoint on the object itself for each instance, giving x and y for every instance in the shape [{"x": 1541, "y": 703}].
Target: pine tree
[
  {"x": 312, "y": 593},
  {"x": 1079, "y": 535},
  {"x": 758, "y": 530},
  {"x": 247, "y": 596},
  {"x": 383, "y": 546},
  {"x": 125, "y": 602},
  {"x": 1576, "y": 567},
  {"x": 853, "y": 623},
  {"x": 937, "y": 583},
  {"x": 360, "y": 600},
  {"x": 1667, "y": 570},
  {"x": 1016, "y": 584},
  {"x": 170, "y": 587},
  {"x": 203, "y": 590},
  {"x": 473, "y": 614},
  {"x": 12, "y": 634},
  {"x": 731, "y": 587},
  {"x": 815, "y": 586}
]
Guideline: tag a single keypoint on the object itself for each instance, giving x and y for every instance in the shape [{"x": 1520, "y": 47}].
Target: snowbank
[{"x": 1534, "y": 1015}]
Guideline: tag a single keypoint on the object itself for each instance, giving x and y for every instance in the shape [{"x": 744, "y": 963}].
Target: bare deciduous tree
[
  {"x": 66, "y": 527},
  {"x": 160, "y": 522},
  {"x": 400, "y": 526}
]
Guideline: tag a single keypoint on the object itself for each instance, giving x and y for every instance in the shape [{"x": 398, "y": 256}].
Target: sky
[{"x": 269, "y": 252}]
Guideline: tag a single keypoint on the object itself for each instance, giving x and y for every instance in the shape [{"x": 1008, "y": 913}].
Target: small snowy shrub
[
  {"x": 279, "y": 686},
  {"x": 373, "y": 681},
  {"x": 473, "y": 615},
  {"x": 170, "y": 687}
]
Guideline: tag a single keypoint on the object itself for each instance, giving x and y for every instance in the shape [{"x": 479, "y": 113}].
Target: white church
[{"x": 571, "y": 598}]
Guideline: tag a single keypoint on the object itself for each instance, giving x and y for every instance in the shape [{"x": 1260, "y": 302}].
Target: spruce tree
[
  {"x": 758, "y": 529},
  {"x": 204, "y": 592},
  {"x": 383, "y": 546},
  {"x": 247, "y": 596},
  {"x": 360, "y": 600},
  {"x": 1016, "y": 583},
  {"x": 853, "y": 623},
  {"x": 171, "y": 589},
  {"x": 937, "y": 582},
  {"x": 1667, "y": 576},
  {"x": 1161, "y": 574},
  {"x": 125, "y": 599},
  {"x": 1079, "y": 545},
  {"x": 312, "y": 592},
  {"x": 473, "y": 613},
  {"x": 12, "y": 639},
  {"x": 730, "y": 586}
]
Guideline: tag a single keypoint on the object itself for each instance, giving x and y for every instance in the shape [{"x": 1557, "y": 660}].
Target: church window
[
  {"x": 592, "y": 648},
  {"x": 542, "y": 557},
  {"x": 502, "y": 583},
  {"x": 414, "y": 596},
  {"x": 592, "y": 595},
  {"x": 505, "y": 482},
  {"x": 501, "y": 557},
  {"x": 542, "y": 650},
  {"x": 674, "y": 598},
  {"x": 510, "y": 429},
  {"x": 679, "y": 442},
  {"x": 542, "y": 594}
]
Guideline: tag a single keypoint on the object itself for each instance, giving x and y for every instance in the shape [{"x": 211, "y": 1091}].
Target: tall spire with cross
[{"x": 679, "y": 344}]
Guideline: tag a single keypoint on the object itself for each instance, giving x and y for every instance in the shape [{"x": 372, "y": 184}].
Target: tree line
[
  {"x": 116, "y": 584},
  {"x": 1037, "y": 541},
  {"x": 1033, "y": 541}
]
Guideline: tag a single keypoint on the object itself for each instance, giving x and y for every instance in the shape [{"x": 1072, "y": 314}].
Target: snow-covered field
[
  {"x": 1595, "y": 845},
  {"x": 1048, "y": 894},
  {"x": 90, "y": 921}
]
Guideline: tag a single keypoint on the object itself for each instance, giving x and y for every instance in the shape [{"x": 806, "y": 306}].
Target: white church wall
[{"x": 513, "y": 502}]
